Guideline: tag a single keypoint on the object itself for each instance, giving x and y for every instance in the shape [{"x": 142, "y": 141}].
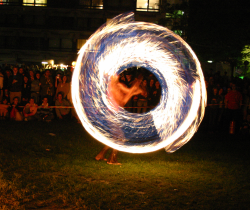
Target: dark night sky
[{"x": 218, "y": 27}]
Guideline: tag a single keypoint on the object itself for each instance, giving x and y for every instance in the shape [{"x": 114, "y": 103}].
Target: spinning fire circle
[{"x": 123, "y": 43}]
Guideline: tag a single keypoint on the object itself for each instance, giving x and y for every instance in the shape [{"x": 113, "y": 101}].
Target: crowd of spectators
[
  {"x": 28, "y": 92},
  {"x": 228, "y": 103}
]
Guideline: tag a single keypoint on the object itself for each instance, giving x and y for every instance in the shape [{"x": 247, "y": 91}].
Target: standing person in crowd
[
  {"x": 245, "y": 104},
  {"x": 21, "y": 71},
  {"x": 210, "y": 88},
  {"x": 6, "y": 81},
  {"x": 15, "y": 111},
  {"x": 38, "y": 75},
  {"x": 221, "y": 101},
  {"x": 142, "y": 102},
  {"x": 44, "y": 112},
  {"x": 35, "y": 88},
  {"x": 63, "y": 87},
  {"x": 1, "y": 84},
  {"x": 47, "y": 86},
  {"x": 226, "y": 111},
  {"x": 156, "y": 94},
  {"x": 62, "y": 113},
  {"x": 233, "y": 101},
  {"x": 217, "y": 78},
  {"x": 30, "y": 110},
  {"x": 58, "y": 79},
  {"x": 151, "y": 77},
  {"x": 225, "y": 79},
  {"x": 15, "y": 85},
  {"x": 134, "y": 103},
  {"x": 25, "y": 91},
  {"x": 151, "y": 88},
  {"x": 31, "y": 75},
  {"x": 214, "y": 105}
]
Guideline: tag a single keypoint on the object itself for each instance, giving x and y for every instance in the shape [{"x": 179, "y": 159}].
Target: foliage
[
  {"x": 246, "y": 55},
  {"x": 243, "y": 62},
  {"x": 175, "y": 17}
]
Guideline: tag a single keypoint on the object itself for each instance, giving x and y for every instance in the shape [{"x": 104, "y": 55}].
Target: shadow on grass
[{"x": 52, "y": 166}]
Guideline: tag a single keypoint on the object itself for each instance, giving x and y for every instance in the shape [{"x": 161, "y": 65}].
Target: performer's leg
[
  {"x": 113, "y": 158},
  {"x": 101, "y": 155}
]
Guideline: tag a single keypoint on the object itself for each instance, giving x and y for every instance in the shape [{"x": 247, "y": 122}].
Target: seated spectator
[
  {"x": 6, "y": 95},
  {"x": 30, "y": 110},
  {"x": 4, "y": 114},
  {"x": 62, "y": 113},
  {"x": 44, "y": 112},
  {"x": 15, "y": 111}
]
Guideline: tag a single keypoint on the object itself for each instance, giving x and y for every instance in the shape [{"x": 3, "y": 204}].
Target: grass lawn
[{"x": 39, "y": 170}]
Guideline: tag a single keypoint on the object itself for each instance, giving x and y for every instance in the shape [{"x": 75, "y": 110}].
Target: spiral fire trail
[{"x": 123, "y": 43}]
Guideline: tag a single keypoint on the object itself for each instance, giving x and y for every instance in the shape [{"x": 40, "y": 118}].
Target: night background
[{"x": 50, "y": 164}]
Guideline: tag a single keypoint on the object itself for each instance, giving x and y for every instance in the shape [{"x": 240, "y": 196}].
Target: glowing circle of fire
[{"x": 122, "y": 43}]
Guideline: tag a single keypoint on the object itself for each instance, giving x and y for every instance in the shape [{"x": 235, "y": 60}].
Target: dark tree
[{"x": 218, "y": 29}]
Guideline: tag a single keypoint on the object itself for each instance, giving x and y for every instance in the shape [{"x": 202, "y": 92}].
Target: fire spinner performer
[
  {"x": 119, "y": 95},
  {"x": 99, "y": 98}
]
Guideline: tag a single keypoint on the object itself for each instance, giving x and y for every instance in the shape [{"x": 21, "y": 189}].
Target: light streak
[{"x": 122, "y": 43}]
